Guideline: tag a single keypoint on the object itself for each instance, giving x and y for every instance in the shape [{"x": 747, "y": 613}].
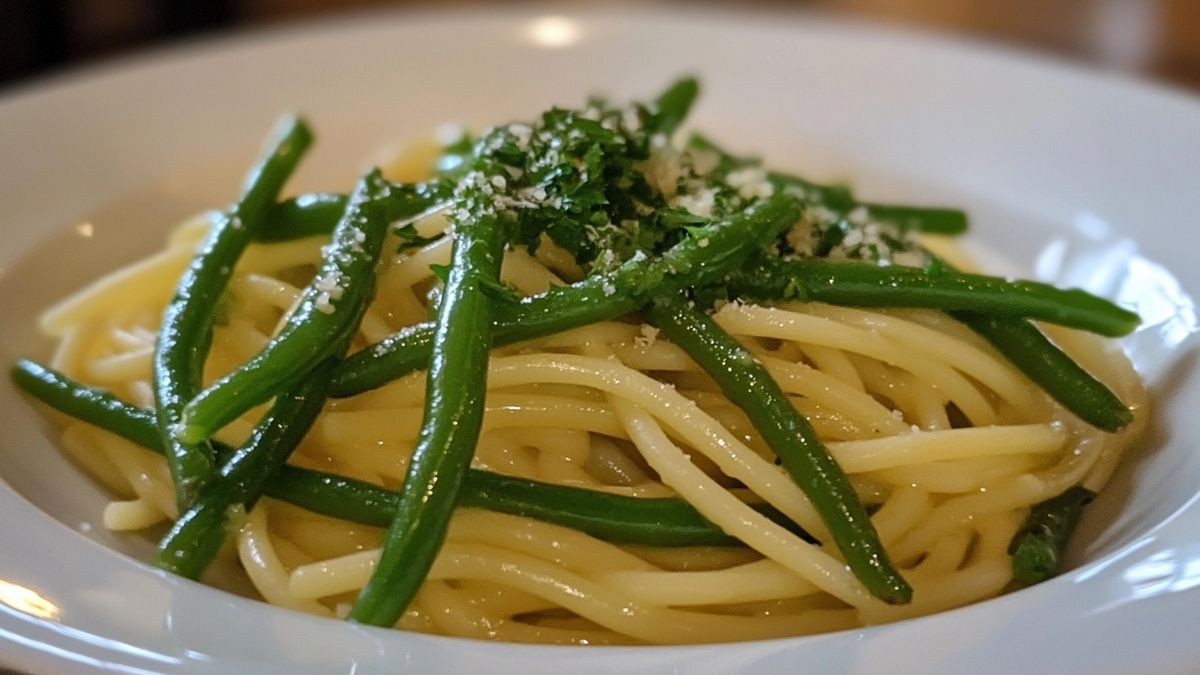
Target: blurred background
[{"x": 1158, "y": 39}]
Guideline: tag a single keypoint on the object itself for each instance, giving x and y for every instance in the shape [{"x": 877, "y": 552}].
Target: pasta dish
[{"x": 589, "y": 380}]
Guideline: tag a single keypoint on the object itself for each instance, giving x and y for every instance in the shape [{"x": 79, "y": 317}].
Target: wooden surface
[{"x": 1159, "y": 39}]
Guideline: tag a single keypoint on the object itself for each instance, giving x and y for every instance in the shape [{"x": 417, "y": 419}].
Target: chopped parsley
[{"x": 606, "y": 183}]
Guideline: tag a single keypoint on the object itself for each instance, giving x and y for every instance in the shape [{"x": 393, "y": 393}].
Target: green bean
[
  {"x": 748, "y": 385},
  {"x": 1056, "y": 373},
  {"x": 1051, "y": 369},
  {"x": 454, "y": 397},
  {"x": 705, "y": 257},
  {"x": 664, "y": 521},
  {"x": 657, "y": 522},
  {"x": 317, "y": 214},
  {"x": 302, "y": 216},
  {"x": 1037, "y": 548},
  {"x": 867, "y": 285},
  {"x": 186, "y": 328},
  {"x": 199, "y": 533},
  {"x": 932, "y": 219},
  {"x": 94, "y": 406},
  {"x": 834, "y": 197},
  {"x": 672, "y": 106},
  {"x": 329, "y": 310}
]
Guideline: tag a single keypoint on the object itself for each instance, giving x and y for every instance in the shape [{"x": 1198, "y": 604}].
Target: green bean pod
[
  {"x": 327, "y": 315},
  {"x": 748, "y": 385},
  {"x": 1051, "y": 369},
  {"x": 89, "y": 404},
  {"x": 866, "y": 285},
  {"x": 454, "y": 398},
  {"x": 1056, "y": 373},
  {"x": 1037, "y": 548},
  {"x": 186, "y": 328},
  {"x": 663, "y": 521},
  {"x": 839, "y": 199},
  {"x": 616, "y": 518},
  {"x": 672, "y": 106},
  {"x": 316, "y": 214},
  {"x": 929, "y": 219},
  {"x": 706, "y": 256},
  {"x": 307, "y": 215},
  {"x": 199, "y": 533}
]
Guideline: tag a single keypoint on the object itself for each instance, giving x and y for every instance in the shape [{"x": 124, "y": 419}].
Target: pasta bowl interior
[{"x": 1042, "y": 206}]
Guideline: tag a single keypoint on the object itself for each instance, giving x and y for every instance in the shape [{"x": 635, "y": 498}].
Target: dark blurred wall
[
  {"x": 32, "y": 37},
  {"x": 41, "y": 35},
  {"x": 1156, "y": 38}
]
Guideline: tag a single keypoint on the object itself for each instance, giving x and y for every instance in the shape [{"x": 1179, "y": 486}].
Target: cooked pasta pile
[
  {"x": 581, "y": 384},
  {"x": 946, "y": 442}
]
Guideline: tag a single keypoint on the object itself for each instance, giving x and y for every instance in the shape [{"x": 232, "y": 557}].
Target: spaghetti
[{"x": 944, "y": 440}]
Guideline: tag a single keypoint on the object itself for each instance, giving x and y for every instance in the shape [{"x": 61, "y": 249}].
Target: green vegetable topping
[{"x": 1037, "y": 547}]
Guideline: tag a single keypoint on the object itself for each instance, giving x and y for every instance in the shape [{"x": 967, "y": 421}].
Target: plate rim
[{"x": 168, "y": 55}]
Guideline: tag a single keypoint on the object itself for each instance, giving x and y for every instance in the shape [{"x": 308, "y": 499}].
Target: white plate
[{"x": 1046, "y": 158}]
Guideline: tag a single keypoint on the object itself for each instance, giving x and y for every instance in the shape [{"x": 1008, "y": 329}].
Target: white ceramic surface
[{"x": 1067, "y": 173}]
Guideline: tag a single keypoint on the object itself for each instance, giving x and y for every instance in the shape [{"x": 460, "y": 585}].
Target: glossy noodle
[
  {"x": 944, "y": 426},
  {"x": 948, "y": 443}
]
